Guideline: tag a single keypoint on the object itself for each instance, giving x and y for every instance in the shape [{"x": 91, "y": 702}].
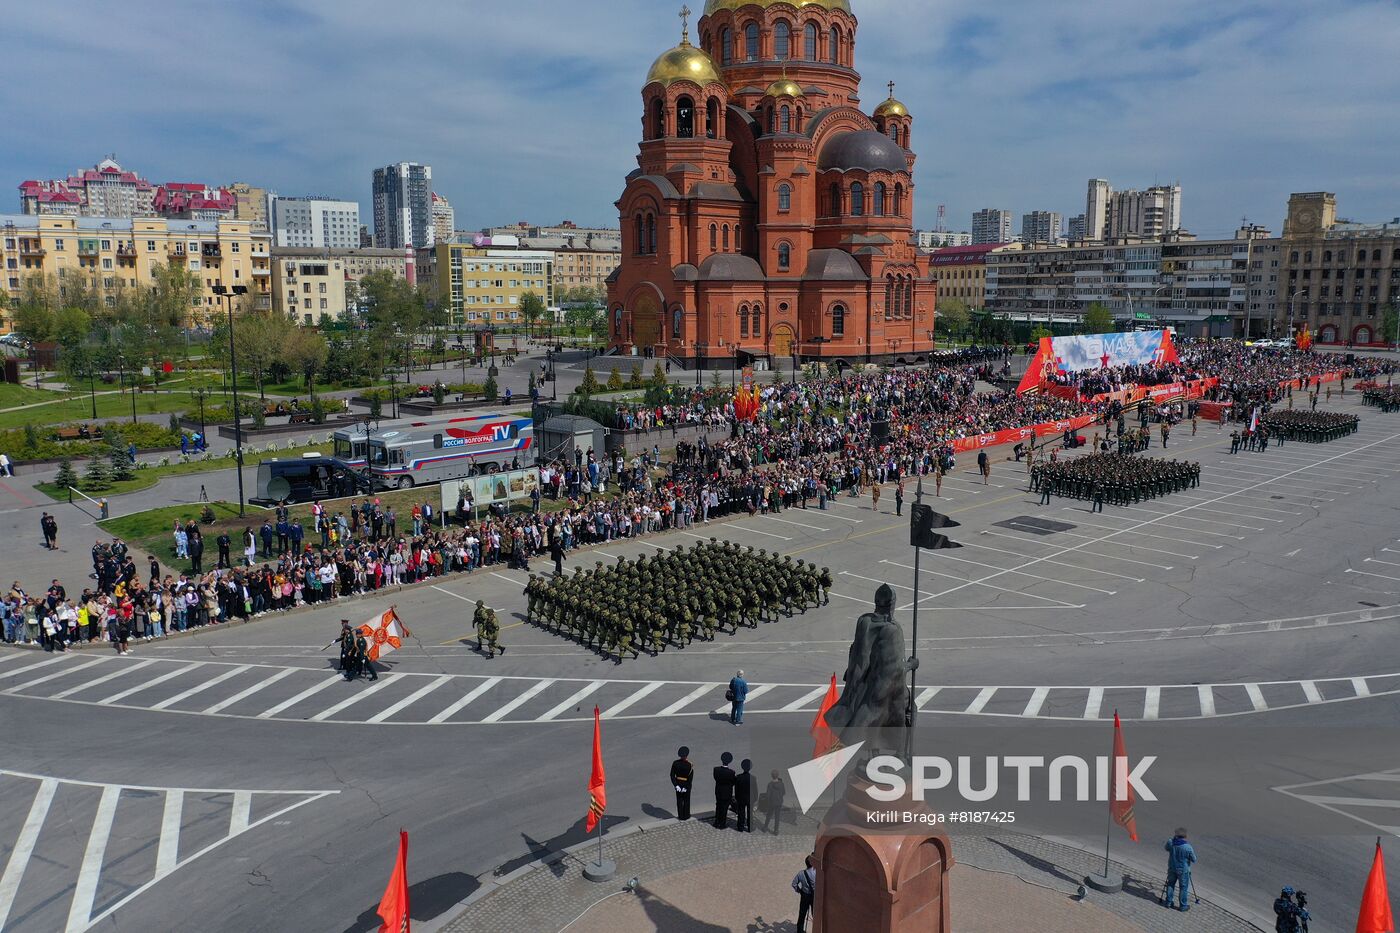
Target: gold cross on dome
[
  {"x": 685, "y": 23},
  {"x": 891, "y": 90}
]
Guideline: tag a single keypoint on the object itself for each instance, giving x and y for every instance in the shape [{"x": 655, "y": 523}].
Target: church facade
[{"x": 770, "y": 218}]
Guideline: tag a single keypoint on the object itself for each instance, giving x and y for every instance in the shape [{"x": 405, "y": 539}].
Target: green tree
[
  {"x": 66, "y": 475},
  {"x": 635, "y": 381},
  {"x": 533, "y": 309},
  {"x": 589, "y": 385},
  {"x": 489, "y": 389},
  {"x": 31, "y": 437},
  {"x": 952, "y": 316},
  {"x": 98, "y": 475},
  {"x": 1039, "y": 331},
  {"x": 614, "y": 380},
  {"x": 121, "y": 465},
  {"x": 304, "y": 351},
  {"x": 1097, "y": 319},
  {"x": 658, "y": 377},
  {"x": 1390, "y": 325}
]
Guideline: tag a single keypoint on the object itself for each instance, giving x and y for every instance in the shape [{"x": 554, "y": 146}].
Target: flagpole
[{"x": 913, "y": 709}]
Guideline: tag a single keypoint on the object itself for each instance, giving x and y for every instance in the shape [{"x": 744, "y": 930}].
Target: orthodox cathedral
[{"x": 770, "y": 218}]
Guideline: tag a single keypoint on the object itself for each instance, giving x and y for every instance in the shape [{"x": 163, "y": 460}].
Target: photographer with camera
[
  {"x": 1291, "y": 908},
  {"x": 1180, "y": 858}
]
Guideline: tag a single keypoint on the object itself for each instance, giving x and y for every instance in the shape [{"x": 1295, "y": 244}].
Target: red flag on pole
[
  {"x": 1375, "y": 900},
  {"x": 1120, "y": 803},
  {"x": 597, "y": 790},
  {"x": 393, "y": 907},
  {"x": 826, "y": 739}
]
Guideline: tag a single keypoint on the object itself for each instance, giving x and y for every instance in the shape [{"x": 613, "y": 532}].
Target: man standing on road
[
  {"x": 984, "y": 466},
  {"x": 1180, "y": 858},
  {"x": 682, "y": 779},
  {"x": 724, "y": 790},
  {"x": 743, "y": 797},
  {"x": 49, "y": 526},
  {"x": 346, "y": 638},
  {"x": 899, "y": 498},
  {"x": 363, "y": 664},
  {"x": 225, "y": 545},
  {"x": 738, "y": 692},
  {"x": 805, "y": 884},
  {"x": 556, "y": 549},
  {"x": 773, "y": 808}
]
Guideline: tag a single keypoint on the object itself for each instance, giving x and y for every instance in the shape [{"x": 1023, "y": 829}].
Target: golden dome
[
  {"x": 891, "y": 108},
  {"x": 714, "y": 6},
  {"x": 684, "y": 63},
  {"x": 784, "y": 87}
]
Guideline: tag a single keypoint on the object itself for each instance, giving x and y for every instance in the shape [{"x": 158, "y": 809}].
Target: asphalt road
[{"x": 232, "y": 780}]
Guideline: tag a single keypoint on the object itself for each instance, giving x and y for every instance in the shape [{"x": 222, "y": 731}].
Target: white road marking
[
  {"x": 168, "y": 675},
  {"x": 645, "y": 691},
  {"x": 1311, "y": 692},
  {"x": 1092, "y": 702},
  {"x": 586, "y": 690},
  {"x": 1060, "y": 563},
  {"x": 121, "y": 671},
  {"x": 33, "y": 667},
  {"x": 80, "y": 908},
  {"x": 465, "y": 599},
  {"x": 308, "y": 692},
  {"x": 1366, "y": 573},
  {"x": 200, "y": 688},
  {"x": 842, "y": 518},
  {"x": 1088, "y": 540},
  {"x": 1359, "y": 685},
  {"x": 457, "y": 706},
  {"x": 1372, "y": 560},
  {"x": 24, "y": 846},
  {"x": 168, "y": 850},
  {"x": 1060, "y": 602},
  {"x": 240, "y": 812},
  {"x": 984, "y": 696},
  {"x": 1147, "y": 534},
  {"x": 519, "y": 701},
  {"x": 926, "y": 694},
  {"x": 785, "y": 521},
  {"x": 1033, "y": 576},
  {"x": 754, "y": 693},
  {"x": 686, "y": 700},
  {"x": 1207, "y": 698},
  {"x": 412, "y": 698},
  {"x": 354, "y": 698},
  {"x": 1037, "y": 700},
  {"x": 244, "y": 694},
  {"x": 54, "y": 676},
  {"x": 766, "y": 534},
  {"x": 1152, "y": 703},
  {"x": 803, "y": 700},
  {"x": 1256, "y": 697}
]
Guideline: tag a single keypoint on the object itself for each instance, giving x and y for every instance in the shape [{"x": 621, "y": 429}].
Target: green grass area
[
  {"x": 138, "y": 482},
  {"x": 78, "y": 407},
  {"x": 12, "y": 395}
]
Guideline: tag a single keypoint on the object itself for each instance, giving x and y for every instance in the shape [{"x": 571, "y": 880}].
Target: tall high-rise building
[
  {"x": 315, "y": 222},
  {"x": 1096, "y": 209},
  {"x": 1078, "y": 228},
  {"x": 403, "y": 206},
  {"x": 444, "y": 218},
  {"x": 250, "y": 204},
  {"x": 991, "y": 225},
  {"x": 1154, "y": 212},
  {"x": 1040, "y": 227}
]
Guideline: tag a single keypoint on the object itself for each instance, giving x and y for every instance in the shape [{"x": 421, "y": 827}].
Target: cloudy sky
[{"x": 530, "y": 109}]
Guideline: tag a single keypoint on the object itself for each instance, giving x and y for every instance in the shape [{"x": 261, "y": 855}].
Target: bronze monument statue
[{"x": 876, "y": 692}]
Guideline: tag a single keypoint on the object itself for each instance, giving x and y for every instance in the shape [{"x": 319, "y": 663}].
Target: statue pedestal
[{"x": 880, "y": 877}]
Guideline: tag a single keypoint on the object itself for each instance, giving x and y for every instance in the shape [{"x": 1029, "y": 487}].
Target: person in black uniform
[
  {"x": 346, "y": 639},
  {"x": 743, "y": 797},
  {"x": 682, "y": 779},
  {"x": 224, "y": 544},
  {"x": 724, "y": 790},
  {"x": 556, "y": 551},
  {"x": 363, "y": 664}
]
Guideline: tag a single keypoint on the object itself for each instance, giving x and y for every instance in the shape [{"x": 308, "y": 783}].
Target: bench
[
  {"x": 67, "y": 434},
  {"x": 300, "y": 417},
  {"x": 78, "y": 433}
]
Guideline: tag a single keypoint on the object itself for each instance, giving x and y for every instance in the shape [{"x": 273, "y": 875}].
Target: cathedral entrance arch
[
  {"x": 780, "y": 341},
  {"x": 646, "y": 322}
]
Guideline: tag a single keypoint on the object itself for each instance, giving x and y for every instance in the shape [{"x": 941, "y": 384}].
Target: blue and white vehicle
[{"x": 417, "y": 456}]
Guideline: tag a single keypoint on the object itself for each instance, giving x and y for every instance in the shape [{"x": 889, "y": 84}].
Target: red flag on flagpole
[
  {"x": 826, "y": 739},
  {"x": 1120, "y": 803},
  {"x": 1375, "y": 914},
  {"x": 597, "y": 790},
  {"x": 393, "y": 906}
]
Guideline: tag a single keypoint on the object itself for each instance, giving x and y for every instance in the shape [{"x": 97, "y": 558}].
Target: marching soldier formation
[
  {"x": 1310, "y": 427},
  {"x": 1116, "y": 478},
  {"x": 488, "y": 629},
  {"x": 674, "y": 597},
  {"x": 1384, "y": 397}
]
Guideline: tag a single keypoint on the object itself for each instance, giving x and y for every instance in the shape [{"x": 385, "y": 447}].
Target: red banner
[
  {"x": 1162, "y": 393},
  {"x": 1017, "y": 435}
]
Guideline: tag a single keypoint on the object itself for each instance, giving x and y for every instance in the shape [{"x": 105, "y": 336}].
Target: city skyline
[{"x": 504, "y": 139}]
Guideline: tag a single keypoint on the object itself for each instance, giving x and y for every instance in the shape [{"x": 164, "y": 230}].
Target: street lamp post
[
  {"x": 199, "y": 394},
  {"x": 228, "y": 293},
  {"x": 92, "y": 387},
  {"x": 1292, "y": 308}
]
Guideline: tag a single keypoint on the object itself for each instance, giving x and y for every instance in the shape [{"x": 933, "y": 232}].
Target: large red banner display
[
  {"x": 1096, "y": 351},
  {"x": 1194, "y": 388},
  {"x": 1017, "y": 435}
]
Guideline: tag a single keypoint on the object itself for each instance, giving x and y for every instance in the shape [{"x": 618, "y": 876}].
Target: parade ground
[{"x": 233, "y": 779}]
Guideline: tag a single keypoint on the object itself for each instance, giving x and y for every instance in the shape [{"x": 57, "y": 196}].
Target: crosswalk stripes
[
  {"x": 578, "y": 696},
  {"x": 201, "y": 687},
  {"x": 1036, "y": 702},
  {"x": 461, "y": 704},
  {"x": 925, "y": 695},
  {"x": 1256, "y": 697},
  {"x": 409, "y": 700},
  {"x": 53, "y": 676},
  {"x": 637, "y": 696},
  {"x": 76, "y": 860},
  {"x": 242, "y": 695},
  {"x": 685, "y": 701},
  {"x": 803, "y": 700},
  {"x": 121, "y": 671},
  {"x": 354, "y": 698},
  {"x": 1152, "y": 703},
  {"x": 984, "y": 696},
  {"x": 305, "y": 694},
  {"x": 1206, "y": 695},
  {"x": 146, "y": 685},
  {"x": 754, "y": 693},
  {"x": 519, "y": 701}
]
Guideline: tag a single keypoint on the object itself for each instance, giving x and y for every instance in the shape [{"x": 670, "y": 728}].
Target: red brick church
[{"x": 769, "y": 217}]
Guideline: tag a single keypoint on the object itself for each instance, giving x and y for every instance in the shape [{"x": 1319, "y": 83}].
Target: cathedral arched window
[
  {"x": 772, "y": 121},
  {"x": 798, "y": 126},
  {"x": 809, "y": 42},
  {"x": 889, "y": 296},
  {"x": 651, "y": 233},
  {"x": 784, "y": 197},
  {"x": 744, "y": 321},
  {"x": 714, "y": 237},
  {"x": 757, "y": 327},
  {"x": 834, "y": 46},
  {"x": 784, "y": 257},
  {"x": 712, "y": 117},
  {"x": 899, "y": 200},
  {"x": 639, "y": 242},
  {"x": 726, "y": 46},
  {"x": 838, "y": 321},
  {"x": 879, "y": 206},
  {"x": 751, "y": 42},
  {"x": 782, "y": 40},
  {"x": 676, "y": 317},
  {"x": 785, "y": 119},
  {"x": 909, "y": 297},
  {"x": 857, "y": 199},
  {"x": 737, "y": 246},
  {"x": 685, "y": 117},
  {"x": 834, "y": 200},
  {"x": 725, "y": 235},
  {"x": 657, "y": 127}
]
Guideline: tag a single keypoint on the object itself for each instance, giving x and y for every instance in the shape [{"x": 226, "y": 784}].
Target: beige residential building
[
  {"x": 310, "y": 289},
  {"x": 250, "y": 204},
  {"x": 961, "y": 271},
  {"x": 483, "y": 284},
  {"x": 354, "y": 263},
  {"x": 575, "y": 267},
  {"x": 444, "y": 219},
  {"x": 110, "y": 254}
]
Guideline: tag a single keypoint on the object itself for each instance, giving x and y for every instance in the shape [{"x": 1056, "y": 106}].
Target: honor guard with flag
[{"x": 374, "y": 639}]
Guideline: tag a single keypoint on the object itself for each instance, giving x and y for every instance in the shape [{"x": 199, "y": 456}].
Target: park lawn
[
  {"x": 113, "y": 406},
  {"x": 13, "y": 395}
]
